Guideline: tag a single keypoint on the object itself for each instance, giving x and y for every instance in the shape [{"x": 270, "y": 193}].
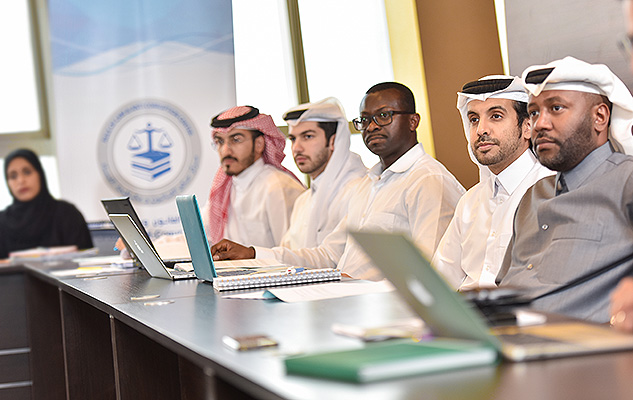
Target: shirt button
[
  {"x": 544, "y": 227},
  {"x": 530, "y": 266}
]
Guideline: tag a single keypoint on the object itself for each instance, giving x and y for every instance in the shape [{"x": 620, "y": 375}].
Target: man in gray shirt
[{"x": 573, "y": 230}]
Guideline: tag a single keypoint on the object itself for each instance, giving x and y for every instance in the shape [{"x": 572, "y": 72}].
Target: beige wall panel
[{"x": 460, "y": 43}]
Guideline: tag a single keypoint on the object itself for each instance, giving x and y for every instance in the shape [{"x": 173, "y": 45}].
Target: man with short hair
[
  {"x": 252, "y": 195},
  {"x": 320, "y": 137},
  {"x": 408, "y": 191},
  {"x": 573, "y": 231},
  {"x": 494, "y": 114}
]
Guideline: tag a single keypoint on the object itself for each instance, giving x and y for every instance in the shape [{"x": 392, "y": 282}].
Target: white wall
[{"x": 540, "y": 31}]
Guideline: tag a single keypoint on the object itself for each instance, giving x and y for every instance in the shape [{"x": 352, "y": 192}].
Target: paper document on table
[
  {"x": 403, "y": 328},
  {"x": 57, "y": 253},
  {"x": 331, "y": 290},
  {"x": 40, "y": 252}
]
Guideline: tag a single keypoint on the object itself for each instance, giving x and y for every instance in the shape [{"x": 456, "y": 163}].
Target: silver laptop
[
  {"x": 143, "y": 250},
  {"x": 449, "y": 315},
  {"x": 123, "y": 205}
]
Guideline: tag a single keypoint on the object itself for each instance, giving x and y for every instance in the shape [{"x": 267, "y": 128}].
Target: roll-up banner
[{"x": 135, "y": 84}]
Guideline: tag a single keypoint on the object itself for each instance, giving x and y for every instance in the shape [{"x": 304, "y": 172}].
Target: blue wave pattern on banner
[{"x": 84, "y": 29}]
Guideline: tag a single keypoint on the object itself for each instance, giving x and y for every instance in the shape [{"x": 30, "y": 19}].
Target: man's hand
[
  {"x": 120, "y": 246},
  {"x": 227, "y": 250},
  {"x": 622, "y": 306}
]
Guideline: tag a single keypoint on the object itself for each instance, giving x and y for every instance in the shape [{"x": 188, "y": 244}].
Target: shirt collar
[
  {"x": 577, "y": 175},
  {"x": 246, "y": 177},
  {"x": 401, "y": 165},
  {"x": 314, "y": 183},
  {"x": 510, "y": 178}
]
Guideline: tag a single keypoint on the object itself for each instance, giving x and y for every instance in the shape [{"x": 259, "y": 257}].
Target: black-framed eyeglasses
[
  {"x": 625, "y": 44},
  {"x": 383, "y": 118}
]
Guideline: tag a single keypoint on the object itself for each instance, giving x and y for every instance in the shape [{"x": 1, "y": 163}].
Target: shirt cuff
[{"x": 263, "y": 252}]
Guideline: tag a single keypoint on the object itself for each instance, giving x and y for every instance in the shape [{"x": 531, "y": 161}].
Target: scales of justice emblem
[
  {"x": 153, "y": 162},
  {"x": 149, "y": 150}
]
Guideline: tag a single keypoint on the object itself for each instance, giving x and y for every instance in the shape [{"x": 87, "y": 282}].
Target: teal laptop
[
  {"x": 196, "y": 237},
  {"x": 263, "y": 272}
]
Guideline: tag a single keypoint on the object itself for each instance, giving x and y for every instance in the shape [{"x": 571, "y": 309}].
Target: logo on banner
[
  {"x": 149, "y": 150},
  {"x": 150, "y": 163}
]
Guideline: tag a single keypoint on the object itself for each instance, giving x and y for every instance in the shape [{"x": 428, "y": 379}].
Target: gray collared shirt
[
  {"x": 557, "y": 239},
  {"x": 579, "y": 174}
]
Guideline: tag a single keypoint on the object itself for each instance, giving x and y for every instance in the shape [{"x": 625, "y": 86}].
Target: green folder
[{"x": 392, "y": 359}]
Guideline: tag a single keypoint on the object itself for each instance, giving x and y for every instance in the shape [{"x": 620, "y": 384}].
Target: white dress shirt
[
  {"x": 471, "y": 252},
  {"x": 262, "y": 197},
  {"x": 416, "y": 196}
]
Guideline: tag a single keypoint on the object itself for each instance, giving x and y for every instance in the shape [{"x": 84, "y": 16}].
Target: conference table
[{"x": 125, "y": 335}]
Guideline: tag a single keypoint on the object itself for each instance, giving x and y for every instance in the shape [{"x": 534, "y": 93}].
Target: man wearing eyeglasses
[
  {"x": 407, "y": 192},
  {"x": 252, "y": 195},
  {"x": 496, "y": 124}
]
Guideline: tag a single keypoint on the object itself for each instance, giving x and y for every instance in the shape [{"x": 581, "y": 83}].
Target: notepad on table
[{"x": 392, "y": 359}]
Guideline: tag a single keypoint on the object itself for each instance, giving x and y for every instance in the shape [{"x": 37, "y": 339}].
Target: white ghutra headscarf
[
  {"x": 342, "y": 167},
  {"x": 573, "y": 74},
  {"x": 493, "y": 86}
]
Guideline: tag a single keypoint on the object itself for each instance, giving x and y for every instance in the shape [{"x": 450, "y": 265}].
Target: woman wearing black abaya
[{"x": 35, "y": 218}]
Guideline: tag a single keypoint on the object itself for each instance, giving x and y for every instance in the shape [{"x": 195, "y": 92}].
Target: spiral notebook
[
  {"x": 242, "y": 277},
  {"x": 290, "y": 276}
]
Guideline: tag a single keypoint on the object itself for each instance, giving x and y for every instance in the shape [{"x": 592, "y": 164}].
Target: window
[
  {"x": 346, "y": 50},
  {"x": 264, "y": 72},
  {"x": 20, "y": 79}
]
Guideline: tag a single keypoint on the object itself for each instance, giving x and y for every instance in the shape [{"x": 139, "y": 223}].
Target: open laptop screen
[{"x": 123, "y": 205}]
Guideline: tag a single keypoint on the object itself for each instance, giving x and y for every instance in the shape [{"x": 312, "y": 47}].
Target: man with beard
[
  {"x": 494, "y": 114},
  {"x": 320, "y": 137},
  {"x": 252, "y": 195},
  {"x": 408, "y": 192},
  {"x": 573, "y": 232}
]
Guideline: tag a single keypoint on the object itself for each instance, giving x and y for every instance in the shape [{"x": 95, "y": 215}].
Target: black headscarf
[{"x": 24, "y": 223}]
